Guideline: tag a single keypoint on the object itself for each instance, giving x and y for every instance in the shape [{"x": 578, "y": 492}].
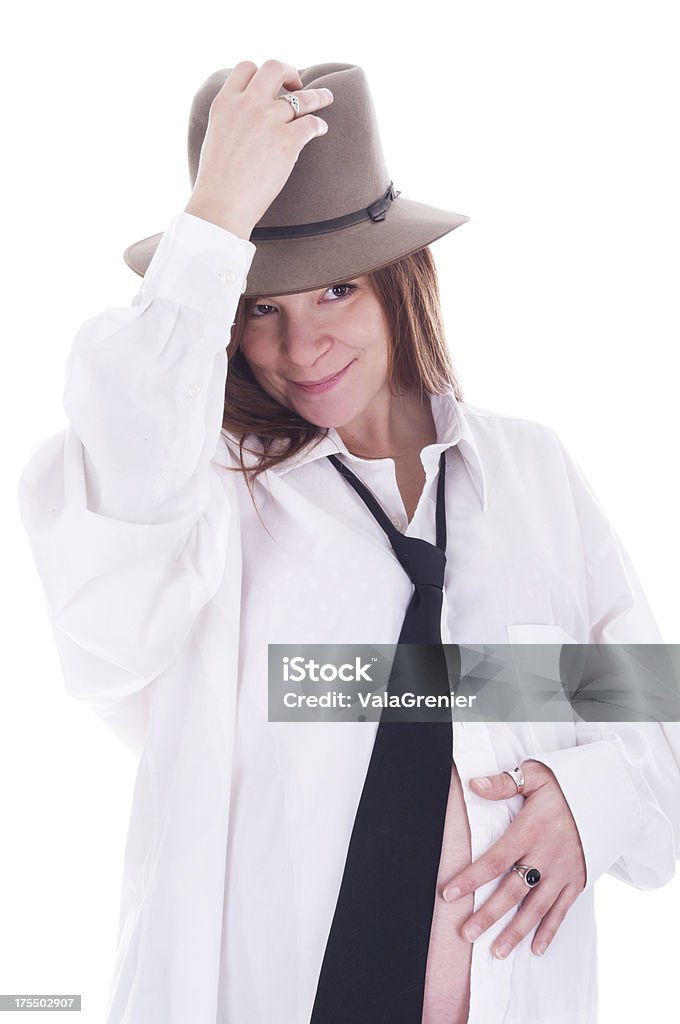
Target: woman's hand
[
  {"x": 252, "y": 143},
  {"x": 542, "y": 835}
]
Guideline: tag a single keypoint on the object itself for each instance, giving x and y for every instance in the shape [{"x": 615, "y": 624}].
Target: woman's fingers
[
  {"x": 551, "y": 922},
  {"x": 547, "y": 910},
  {"x": 266, "y": 81},
  {"x": 307, "y": 128},
  {"x": 534, "y": 908},
  {"x": 309, "y": 100},
  {"x": 275, "y": 77},
  {"x": 272, "y": 76},
  {"x": 240, "y": 76},
  {"x": 511, "y": 892},
  {"x": 306, "y": 125},
  {"x": 546, "y": 907}
]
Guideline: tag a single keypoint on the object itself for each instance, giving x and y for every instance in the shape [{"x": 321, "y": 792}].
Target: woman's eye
[
  {"x": 258, "y": 306},
  {"x": 256, "y": 310},
  {"x": 351, "y": 288}
]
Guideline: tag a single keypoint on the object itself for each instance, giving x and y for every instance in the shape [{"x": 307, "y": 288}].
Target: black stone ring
[{"x": 532, "y": 876}]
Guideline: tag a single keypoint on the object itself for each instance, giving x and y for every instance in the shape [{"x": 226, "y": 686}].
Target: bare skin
[{"x": 410, "y": 481}]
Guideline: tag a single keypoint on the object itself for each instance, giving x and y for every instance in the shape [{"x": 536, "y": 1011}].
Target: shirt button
[
  {"x": 193, "y": 390},
  {"x": 398, "y": 522},
  {"x": 227, "y": 276}
]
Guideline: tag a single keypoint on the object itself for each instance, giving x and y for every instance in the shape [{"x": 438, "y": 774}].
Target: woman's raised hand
[{"x": 252, "y": 142}]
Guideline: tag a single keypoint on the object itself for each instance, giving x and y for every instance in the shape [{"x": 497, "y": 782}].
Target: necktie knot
[{"x": 424, "y": 563}]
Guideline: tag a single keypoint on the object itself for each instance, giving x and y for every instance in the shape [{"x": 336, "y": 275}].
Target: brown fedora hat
[{"x": 339, "y": 215}]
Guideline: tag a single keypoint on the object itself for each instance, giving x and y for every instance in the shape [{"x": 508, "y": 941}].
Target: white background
[{"x": 554, "y": 127}]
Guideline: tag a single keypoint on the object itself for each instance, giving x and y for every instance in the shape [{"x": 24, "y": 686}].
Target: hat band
[{"x": 376, "y": 211}]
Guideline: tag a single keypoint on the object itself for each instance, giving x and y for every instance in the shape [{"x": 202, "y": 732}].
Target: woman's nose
[{"x": 303, "y": 343}]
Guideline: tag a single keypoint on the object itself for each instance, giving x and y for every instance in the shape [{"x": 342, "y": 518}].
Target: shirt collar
[{"x": 451, "y": 426}]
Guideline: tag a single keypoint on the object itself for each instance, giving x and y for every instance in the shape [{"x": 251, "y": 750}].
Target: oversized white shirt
[{"x": 164, "y": 588}]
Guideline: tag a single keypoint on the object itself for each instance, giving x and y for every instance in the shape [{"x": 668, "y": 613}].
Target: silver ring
[
  {"x": 517, "y": 776},
  {"x": 531, "y": 876},
  {"x": 294, "y": 102}
]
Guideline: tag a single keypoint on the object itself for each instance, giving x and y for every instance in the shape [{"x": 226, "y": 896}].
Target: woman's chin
[{"x": 326, "y": 414}]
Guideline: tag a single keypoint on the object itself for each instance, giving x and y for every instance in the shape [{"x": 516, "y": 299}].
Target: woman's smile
[{"x": 325, "y": 384}]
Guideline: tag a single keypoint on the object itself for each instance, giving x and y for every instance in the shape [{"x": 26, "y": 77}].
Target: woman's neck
[{"x": 392, "y": 426}]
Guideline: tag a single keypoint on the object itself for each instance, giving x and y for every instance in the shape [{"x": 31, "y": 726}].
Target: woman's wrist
[{"x": 229, "y": 219}]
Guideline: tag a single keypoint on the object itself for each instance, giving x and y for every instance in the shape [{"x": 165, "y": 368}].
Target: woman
[{"x": 191, "y": 515}]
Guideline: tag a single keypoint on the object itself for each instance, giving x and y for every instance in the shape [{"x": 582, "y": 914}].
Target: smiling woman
[
  {"x": 384, "y": 328},
  {"x": 304, "y": 872}
]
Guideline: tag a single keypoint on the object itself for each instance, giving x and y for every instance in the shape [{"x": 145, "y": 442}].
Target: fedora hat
[{"x": 339, "y": 214}]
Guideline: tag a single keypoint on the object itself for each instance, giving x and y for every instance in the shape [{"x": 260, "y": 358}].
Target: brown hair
[{"x": 418, "y": 361}]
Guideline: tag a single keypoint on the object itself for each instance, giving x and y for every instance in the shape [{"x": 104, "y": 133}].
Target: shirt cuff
[
  {"x": 602, "y": 798},
  {"x": 201, "y": 265}
]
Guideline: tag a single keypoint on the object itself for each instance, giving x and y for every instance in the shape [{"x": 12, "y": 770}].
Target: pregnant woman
[{"x": 270, "y": 446}]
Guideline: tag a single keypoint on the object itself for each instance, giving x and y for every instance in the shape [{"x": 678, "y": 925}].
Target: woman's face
[{"x": 293, "y": 343}]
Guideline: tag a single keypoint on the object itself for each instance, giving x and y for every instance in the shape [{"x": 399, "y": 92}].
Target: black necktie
[{"x": 373, "y": 970}]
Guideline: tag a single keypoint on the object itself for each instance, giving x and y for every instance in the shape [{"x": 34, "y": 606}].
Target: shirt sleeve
[
  {"x": 622, "y": 779},
  {"x": 129, "y": 517}
]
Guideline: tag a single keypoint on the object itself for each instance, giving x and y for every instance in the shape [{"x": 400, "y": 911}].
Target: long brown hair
[{"x": 418, "y": 361}]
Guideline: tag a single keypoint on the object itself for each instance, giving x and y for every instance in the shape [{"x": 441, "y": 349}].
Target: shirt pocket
[
  {"x": 540, "y": 669},
  {"x": 538, "y": 633}
]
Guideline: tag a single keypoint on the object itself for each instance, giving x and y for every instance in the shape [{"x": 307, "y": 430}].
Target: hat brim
[{"x": 284, "y": 266}]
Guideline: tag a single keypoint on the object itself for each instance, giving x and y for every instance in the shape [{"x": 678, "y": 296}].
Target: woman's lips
[{"x": 325, "y": 385}]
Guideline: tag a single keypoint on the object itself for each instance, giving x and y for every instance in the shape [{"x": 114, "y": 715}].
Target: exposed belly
[{"x": 447, "y": 979}]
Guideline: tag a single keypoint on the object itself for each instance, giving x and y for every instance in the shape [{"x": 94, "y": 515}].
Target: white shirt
[{"x": 164, "y": 589}]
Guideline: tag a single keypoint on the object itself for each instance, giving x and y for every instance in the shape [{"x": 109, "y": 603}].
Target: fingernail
[
  {"x": 451, "y": 894},
  {"x": 484, "y": 783},
  {"x": 541, "y": 948},
  {"x": 329, "y": 93},
  {"x": 502, "y": 951},
  {"x": 472, "y": 931}
]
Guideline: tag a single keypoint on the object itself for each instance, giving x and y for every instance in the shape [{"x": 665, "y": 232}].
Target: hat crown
[{"x": 335, "y": 174}]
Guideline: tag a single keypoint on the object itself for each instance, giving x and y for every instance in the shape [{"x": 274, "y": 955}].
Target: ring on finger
[
  {"x": 291, "y": 98},
  {"x": 530, "y": 876}
]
